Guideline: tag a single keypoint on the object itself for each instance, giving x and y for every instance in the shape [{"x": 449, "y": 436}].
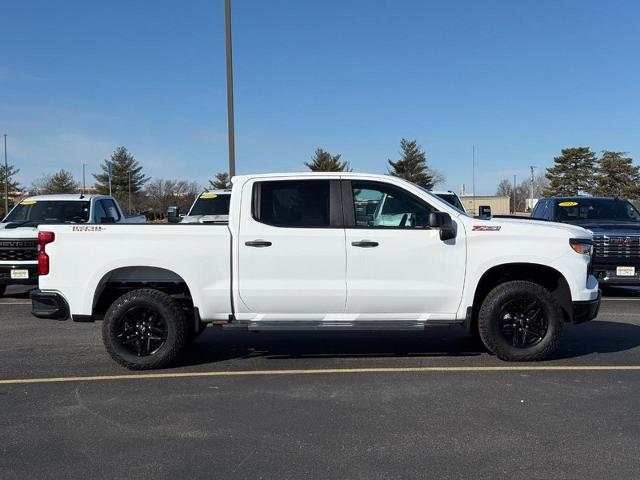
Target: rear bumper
[
  {"x": 49, "y": 305},
  {"x": 585, "y": 311},
  {"x": 5, "y": 274}
]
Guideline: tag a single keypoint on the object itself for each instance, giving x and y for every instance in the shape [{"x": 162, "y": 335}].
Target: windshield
[
  {"x": 458, "y": 206},
  {"x": 211, "y": 204},
  {"x": 589, "y": 210},
  {"x": 49, "y": 211},
  {"x": 451, "y": 199}
]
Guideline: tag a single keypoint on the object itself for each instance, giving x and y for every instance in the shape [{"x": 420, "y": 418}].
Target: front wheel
[
  {"x": 144, "y": 329},
  {"x": 520, "y": 321}
]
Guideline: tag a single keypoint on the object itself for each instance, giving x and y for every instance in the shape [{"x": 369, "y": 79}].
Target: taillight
[{"x": 43, "y": 259}]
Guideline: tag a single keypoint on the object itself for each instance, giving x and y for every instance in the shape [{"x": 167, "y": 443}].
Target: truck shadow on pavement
[{"x": 216, "y": 346}]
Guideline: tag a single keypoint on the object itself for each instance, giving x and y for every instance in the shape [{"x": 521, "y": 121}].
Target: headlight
[{"x": 581, "y": 246}]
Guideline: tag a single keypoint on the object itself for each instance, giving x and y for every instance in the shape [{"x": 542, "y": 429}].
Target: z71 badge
[
  {"x": 89, "y": 228},
  {"x": 486, "y": 228}
]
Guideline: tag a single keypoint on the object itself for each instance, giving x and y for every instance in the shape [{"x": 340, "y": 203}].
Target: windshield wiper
[{"x": 20, "y": 224}]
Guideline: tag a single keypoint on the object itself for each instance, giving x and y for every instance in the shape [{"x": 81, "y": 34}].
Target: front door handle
[
  {"x": 258, "y": 243},
  {"x": 365, "y": 244}
]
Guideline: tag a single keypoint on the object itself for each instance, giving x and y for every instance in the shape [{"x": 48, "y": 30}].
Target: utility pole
[
  {"x": 514, "y": 194},
  {"x": 230, "y": 123},
  {"x": 109, "y": 172},
  {"x": 532, "y": 180},
  {"x": 473, "y": 177},
  {"x": 6, "y": 178},
  {"x": 130, "y": 193},
  {"x": 84, "y": 182}
]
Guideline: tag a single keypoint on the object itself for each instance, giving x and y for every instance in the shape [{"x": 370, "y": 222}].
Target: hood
[
  {"x": 20, "y": 232},
  {"x": 526, "y": 222},
  {"x": 614, "y": 228}
]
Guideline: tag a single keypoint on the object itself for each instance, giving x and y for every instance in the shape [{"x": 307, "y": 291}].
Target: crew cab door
[
  {"x": 397, "y": 266},
  {"x": 291, "y": 249}
]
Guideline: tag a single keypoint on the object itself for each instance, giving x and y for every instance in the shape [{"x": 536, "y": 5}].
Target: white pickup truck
[
  {"x": 320, "y": 251},
  {"x": 19, "y": 229},
  {"x": 211, "y": 206}
]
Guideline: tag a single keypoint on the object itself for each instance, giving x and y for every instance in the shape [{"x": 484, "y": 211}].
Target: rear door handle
[
  {"x": 258, "y": 243},
  {"x": 365, "y": 244}
]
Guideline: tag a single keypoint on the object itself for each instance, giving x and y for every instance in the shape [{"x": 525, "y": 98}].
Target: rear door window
[{"x": 293, "y": 203}]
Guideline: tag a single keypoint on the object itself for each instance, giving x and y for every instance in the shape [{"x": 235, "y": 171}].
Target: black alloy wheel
[
  {"x": 142, "y": 331},
  {"x": 523, "y": 322}
]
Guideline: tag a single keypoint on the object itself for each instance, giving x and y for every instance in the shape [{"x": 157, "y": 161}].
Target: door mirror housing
[
  {"x": 442, "y": 221},
  {"x": 484, "y": 211},
  {"x": 173, "y": 215}
]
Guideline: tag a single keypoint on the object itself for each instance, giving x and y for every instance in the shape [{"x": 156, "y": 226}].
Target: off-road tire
[
  {"x": 177, "y": 329},
  {"x": 489, "y": 321}
]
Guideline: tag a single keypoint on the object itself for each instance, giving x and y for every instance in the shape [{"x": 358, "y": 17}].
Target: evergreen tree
[
  {"x": 323, "y": 161},
  {"x": 221, "y": 181},
  {"x": 412, "y": 165},
  {"x": 59, "y": 182},
  {"x": 124, "y": 167},
  {"x": 573, "y": 172},
  {"x": 14, "y": 186},
  {"x": 617, "y": 176}
]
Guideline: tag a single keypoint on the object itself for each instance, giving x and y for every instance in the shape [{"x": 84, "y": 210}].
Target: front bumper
[
  {"x": 49, "y": 305},
  {"x": 585, "y": 311},
  {"x": 5, "y": 274},
  {"x": 608, "y": 276}
]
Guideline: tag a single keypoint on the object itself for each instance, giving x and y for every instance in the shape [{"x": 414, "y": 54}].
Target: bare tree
[{"x": 161, "y": 193}]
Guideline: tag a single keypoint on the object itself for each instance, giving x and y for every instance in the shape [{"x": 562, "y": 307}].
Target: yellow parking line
[{"x": 325, "y": 371}]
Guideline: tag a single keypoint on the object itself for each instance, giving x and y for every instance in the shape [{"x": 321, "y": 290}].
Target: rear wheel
[
  {"x": 520, "y": 321},
  {"x": 144, "y": 329},
  {"x": 3, "y": 289}
]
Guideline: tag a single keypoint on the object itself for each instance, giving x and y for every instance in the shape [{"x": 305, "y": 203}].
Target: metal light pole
[
  {"x": 514, "y": 194},
  {"x": 109, "y": 172},
  {"x": 232, "y": 141},
  {"x": 130, "y": 193},
  {"x": 6, "y": 178},
  {"x": 473, "y": 176},
  {"x": 84, "y": 182}
]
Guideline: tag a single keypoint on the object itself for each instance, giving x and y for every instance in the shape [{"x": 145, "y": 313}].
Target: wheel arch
[
  {"x": 544, "y": 275},
  {"x": 121, "y": 280}
]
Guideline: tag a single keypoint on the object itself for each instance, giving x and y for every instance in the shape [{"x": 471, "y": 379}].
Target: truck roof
[
  {"x": 443, "y": 192},
  {"x": 217, "y": 192},
  {"x": 66, "y": 197},
  {"x": 581, "y": 197},
  {"x": 358, "y": 175}
]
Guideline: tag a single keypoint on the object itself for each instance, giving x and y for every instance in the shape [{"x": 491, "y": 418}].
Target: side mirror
[
  {"x": 484, "y": 212},
  {"x": 442, "y": 221},
  {"x": 173, "y": 215},
  {"x": 107, "y": 220}
]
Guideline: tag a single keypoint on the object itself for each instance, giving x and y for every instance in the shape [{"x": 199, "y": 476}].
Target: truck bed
[{"x": 196, "y": 254}]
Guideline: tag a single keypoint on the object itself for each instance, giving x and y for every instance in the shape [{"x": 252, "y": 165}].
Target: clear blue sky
[{"x": 519, "y": 79}]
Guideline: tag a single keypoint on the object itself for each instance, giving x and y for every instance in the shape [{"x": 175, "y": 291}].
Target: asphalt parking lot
[{"x": 245, "y": 405}]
